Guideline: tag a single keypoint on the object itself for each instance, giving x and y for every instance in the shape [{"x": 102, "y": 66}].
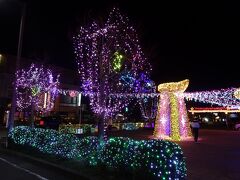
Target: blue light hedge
[
  {"x": 162, "y": 159},
  {"x": 52, "y": 142}
]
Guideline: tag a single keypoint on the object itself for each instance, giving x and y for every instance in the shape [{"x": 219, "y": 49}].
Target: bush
[
  {"x": 52, "y": 142},
  {"x": 161, "y": 158},
  {"x": 155, "y": 158}
]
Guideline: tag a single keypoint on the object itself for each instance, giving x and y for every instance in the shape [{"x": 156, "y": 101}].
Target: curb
[{"x": 66, "y": 170}]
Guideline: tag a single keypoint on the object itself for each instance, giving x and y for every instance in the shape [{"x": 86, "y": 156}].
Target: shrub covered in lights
[
  {"x": 72, "y": 128},
  {"x": 159, "y": 158},
  {"x": 52, "y": 142}
]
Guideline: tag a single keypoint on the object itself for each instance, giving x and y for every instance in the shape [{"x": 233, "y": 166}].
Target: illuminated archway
[{"x": 172, "y": 120}]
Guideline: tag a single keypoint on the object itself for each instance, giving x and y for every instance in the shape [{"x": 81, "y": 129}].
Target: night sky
[{"x": 198, "y": 41}]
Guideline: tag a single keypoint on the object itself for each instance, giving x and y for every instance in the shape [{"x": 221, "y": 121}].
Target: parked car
[{"x": 49, "y": 122}]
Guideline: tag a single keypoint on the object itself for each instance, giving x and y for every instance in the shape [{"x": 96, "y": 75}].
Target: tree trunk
[
  {"x": 32, "y": 115},
  {"x": 102, "y": 134},
  {"x": 101, "y": 128}
]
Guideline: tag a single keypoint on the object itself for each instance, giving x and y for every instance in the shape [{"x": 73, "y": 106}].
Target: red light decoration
[
  {"x": 41, "y": 123},
  {"x": 73, "y": 93}
]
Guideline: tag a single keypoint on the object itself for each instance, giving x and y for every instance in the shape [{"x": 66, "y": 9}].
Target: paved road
[
  {"x": 17, "y": 168},
  {"x": 215, "y": 157},
  {"x": 12, "y": 171},
  {"x": 3, "y": 131}
]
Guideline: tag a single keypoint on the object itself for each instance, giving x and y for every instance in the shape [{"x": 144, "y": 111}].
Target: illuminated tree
[
  {"x": 36, "y": 89},
  {"x": 148, "y": 105},
  {"x": 110, "y": 60}
]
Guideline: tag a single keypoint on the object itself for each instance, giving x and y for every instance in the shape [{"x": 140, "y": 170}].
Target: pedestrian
[{"x": 195, "y": 127}]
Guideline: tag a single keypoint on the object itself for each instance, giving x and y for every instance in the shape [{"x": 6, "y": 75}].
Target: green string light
[
  {"x": 117, "y": 61},
  {"x": 35, "y": 90},
  {"x": 159, "y": 158}
]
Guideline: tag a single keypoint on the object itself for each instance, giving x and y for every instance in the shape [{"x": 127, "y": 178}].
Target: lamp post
[{"x": 10, "y": 122}]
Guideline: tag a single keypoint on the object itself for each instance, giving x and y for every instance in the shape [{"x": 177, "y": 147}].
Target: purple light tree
[
  {"x": 36, "y": 89},
  {"x": 110, "y": 60}
]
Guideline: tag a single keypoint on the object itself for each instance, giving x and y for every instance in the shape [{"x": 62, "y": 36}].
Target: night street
[
  {"x": 15, "y": 167},
  {"x": 7, "y": 169},
  {"x": 216, "y": 156},
  {"x": 115, "y": 89}
]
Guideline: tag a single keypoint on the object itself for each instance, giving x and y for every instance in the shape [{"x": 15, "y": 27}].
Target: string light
[
  {"x": 117, "y": 61},
  {"x": 102, "y": 55},
  {"x": 162, "y": 122},
  {"x": 97, "y": 58},
  {"x": 237, "y": 93},
  {"x": 172, "y": 121},
  {"x": 184, "y": 123},
  {"x": 175, "y": 134},
  {"x": 52, "y": 142},
  {"x": 161, "y": 159},
  {"x": 222, "y": 97},
  {"x": 33, "y": 85},
  {"x": 180, "y": 86}
]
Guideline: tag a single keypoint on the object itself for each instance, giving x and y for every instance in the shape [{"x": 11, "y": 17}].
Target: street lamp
[{"x": 10, "y": 122}]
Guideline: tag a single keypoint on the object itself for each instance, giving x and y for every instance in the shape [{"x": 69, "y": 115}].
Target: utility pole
[{"x": 10, "y": 123}]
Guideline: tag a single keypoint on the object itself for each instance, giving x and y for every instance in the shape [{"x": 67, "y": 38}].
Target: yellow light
[
  {"x": 237, "y": 93},
  {"x": 176, "y": 108},
  {"x": 175, "y": 134},
  {"x": 157, "y": 132},
  {"x": 180, "y": 86}
]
